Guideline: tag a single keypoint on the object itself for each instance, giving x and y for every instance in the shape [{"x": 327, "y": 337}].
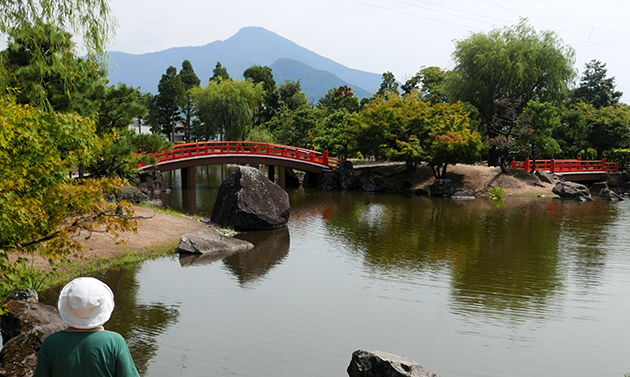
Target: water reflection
[
  {"x": 504, "y": 262},
  {"x": 139, "y": 323}
]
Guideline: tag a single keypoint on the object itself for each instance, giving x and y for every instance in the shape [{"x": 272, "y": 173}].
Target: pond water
[{"x": 522, "y": 287}]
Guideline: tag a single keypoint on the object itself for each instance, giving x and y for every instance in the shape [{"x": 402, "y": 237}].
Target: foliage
[
  {"x": 536, "y": 124},
  {"x": 189, "y": 79},
  {"x": 54, "y": 77},
  {"x": 496, "y": 193},
  {"x": 621, "y": 155},
  {"x": 225, "y": 108},
  {"x": 164, "y": 111},
  {"x": 219, "y": 73},
  {"x": 118, "y": 106},
  {"x": 389, "y": 87},
  {"x": 515, "y": 63},
  {"x": 89, "y": 20},
  {"x": 41, "y": 210},
  {"x": 334, "y": 133},
  {"x": 339, "y": 98},
  {"x": 607, "y": 127},
  {"x": 261, "y": 134},
  {"x": 296, "y": 127},
  {"x": 595, "y": 88},
  {"x": 263, "y": 75},
  {"x": 430, "y": 82}
]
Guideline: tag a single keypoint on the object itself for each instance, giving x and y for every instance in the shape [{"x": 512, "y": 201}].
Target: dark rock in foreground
[
  {"x": 150, "y": 181},
  {"x": 24, "y": 328},
  {"x": 131, "y": 194},
  {"x": 209, "y": 241},
  {"x": 383, "y": 364},
  {"x": 607, "y": 194},
  {"x": 247, "y": 200}
]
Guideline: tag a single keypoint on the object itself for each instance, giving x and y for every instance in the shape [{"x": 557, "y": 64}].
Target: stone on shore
[
  {"x": 209, "y": 241},
  {"x": 248, "y": 200},
  {"x": 383, "y": 364},
  {"x": 607, "y": 194},
  {"x": 25, "y": 325},
  {"x": 571, "y": 190}
]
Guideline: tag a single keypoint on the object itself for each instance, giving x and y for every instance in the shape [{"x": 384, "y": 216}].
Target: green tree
[
  {"x": 607, "y": 127},
  {"x": 226, "y": 107},
  {"x": 297, "y": 127},
  {"x": 190, "y": 80},
  {"x": 430, "y": 82},
  {"x": 536, "y": 126},
  {"x": 389, "y": 86},
  {"x": 219, "y": 73},
  {"x": 55, "y": 79},
  {"x": 335, "y": 133},
  {"x": 263, "y": 75},
  {"x": 291, "y": 96},
  {"x": 41, "y": 209},
  {"x": 515, "y": 63},
  {"x": 89, "y": 20},
  {"x": 119, "y": 106},
  {"x": 164, "y": 112},
  {"x": 595, "y": 88},
  {"x": 339, "y": 98}
]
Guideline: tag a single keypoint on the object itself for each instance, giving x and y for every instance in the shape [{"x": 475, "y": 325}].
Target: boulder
[
  {"x": 347, "y": 179},
  {"x": 383, "y": 364},
  {"x": 209, "y": 241},
  {"x": 150, "y": 182},
  {"x": 310, "y": 179},
  {"x": 441, "y": 188},
  {"x": 583, "y": 198},
  {"x": 328, "y": 180},
  {"x": 131, "y": 194},
  {"x": 607, "y": 194},
  {"x": 247, "y": 200},
  {"x": 571, "y": 190},
  {"x": 547, "y": 177},
  {"x": 463, "y": 195},
  {"x": 25, "y": 325},
  {"x": 598, "y": 186}
]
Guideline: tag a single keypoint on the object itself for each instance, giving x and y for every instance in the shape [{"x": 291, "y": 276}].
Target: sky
[{"x": 400, "y": 36}]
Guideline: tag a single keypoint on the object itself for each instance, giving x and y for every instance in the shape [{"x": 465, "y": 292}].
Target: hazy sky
[{"x": 376, "y": 36}]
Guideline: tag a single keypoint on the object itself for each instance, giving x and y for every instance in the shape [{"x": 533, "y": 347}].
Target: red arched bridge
[
  {"x": 190, "y": 155},
  {"x": 571, "y": 170}
]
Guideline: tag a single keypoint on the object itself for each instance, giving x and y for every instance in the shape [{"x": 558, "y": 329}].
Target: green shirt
[{"x": 85, "y": 354}]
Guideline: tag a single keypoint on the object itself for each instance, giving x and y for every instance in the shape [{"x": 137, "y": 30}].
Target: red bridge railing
[
  {"x": 567, "y": 166},
  {"x": 217, "y": 148}
]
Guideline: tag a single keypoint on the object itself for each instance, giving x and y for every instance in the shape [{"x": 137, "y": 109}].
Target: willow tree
[
  {"x": 90, "y": 21},
  {"x": 516, "y": 63},
  {"x": 226, "y": 108}
]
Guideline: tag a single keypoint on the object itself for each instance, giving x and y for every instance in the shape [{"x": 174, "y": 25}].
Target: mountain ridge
[{"x": 249, "y": 46}]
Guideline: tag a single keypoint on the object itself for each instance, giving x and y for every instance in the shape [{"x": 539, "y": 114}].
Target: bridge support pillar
[
  {"x": 282, "y": 174},
  {"x": 189, "y": 178}
]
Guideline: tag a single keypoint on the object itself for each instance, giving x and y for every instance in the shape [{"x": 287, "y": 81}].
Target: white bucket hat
[{"x": 86, "y": 303}]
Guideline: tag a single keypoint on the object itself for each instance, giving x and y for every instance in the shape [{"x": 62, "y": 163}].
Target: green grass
[{"x": 497, "y": 193}]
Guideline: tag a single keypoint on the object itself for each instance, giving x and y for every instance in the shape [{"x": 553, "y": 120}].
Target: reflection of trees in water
[
  {"x": 502, "y": 260},
  {"x": 270, "y": 248},
  {"x": 140, "y": 324}
]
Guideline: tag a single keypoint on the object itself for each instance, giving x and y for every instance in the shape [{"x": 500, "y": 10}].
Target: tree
[
  {"x": 190, "y": 80},
  {"x": 607, "y": 127},
  {"x": 339, "y": 98},
  {"x": 41, "y": 209},
  {"x": 225, "y": 108},
  {"x": 219, "y": 73},
  {"x": 263, "y": 75},
  {"x": 595, "y": 88},
  {"x": 389, "y": 86},
  {"x": 515, "y": 63},
  {"x": 119, "y": 106},
  {"x": 164, "y": 112},
  {"x": 297, "y": 127},
  {"x": 335, "y": 133},
  {"x": 430, "y": 82},
  {"x": 536, "y": 125},
  {"x": 54, "y": 79}
]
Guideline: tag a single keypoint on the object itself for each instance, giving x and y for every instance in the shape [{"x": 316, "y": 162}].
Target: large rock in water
[
  {"x": 25, "y": 325},
  {"x": 383, "y": 364},
  {"x": 247, "y": 200},
  {"x": 209, "y": 241}
]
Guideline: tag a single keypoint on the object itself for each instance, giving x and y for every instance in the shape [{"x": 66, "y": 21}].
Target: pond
[{"x": 527, "y": 286}]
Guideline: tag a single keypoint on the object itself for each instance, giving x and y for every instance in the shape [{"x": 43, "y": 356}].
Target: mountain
[{"x": 250, "y": 46}]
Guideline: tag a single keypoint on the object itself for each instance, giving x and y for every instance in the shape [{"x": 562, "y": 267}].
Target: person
[{"x": 85, "y": 348}]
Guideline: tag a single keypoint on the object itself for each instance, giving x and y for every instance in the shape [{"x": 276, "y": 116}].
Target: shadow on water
[{"x": 140, "y": 324}]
